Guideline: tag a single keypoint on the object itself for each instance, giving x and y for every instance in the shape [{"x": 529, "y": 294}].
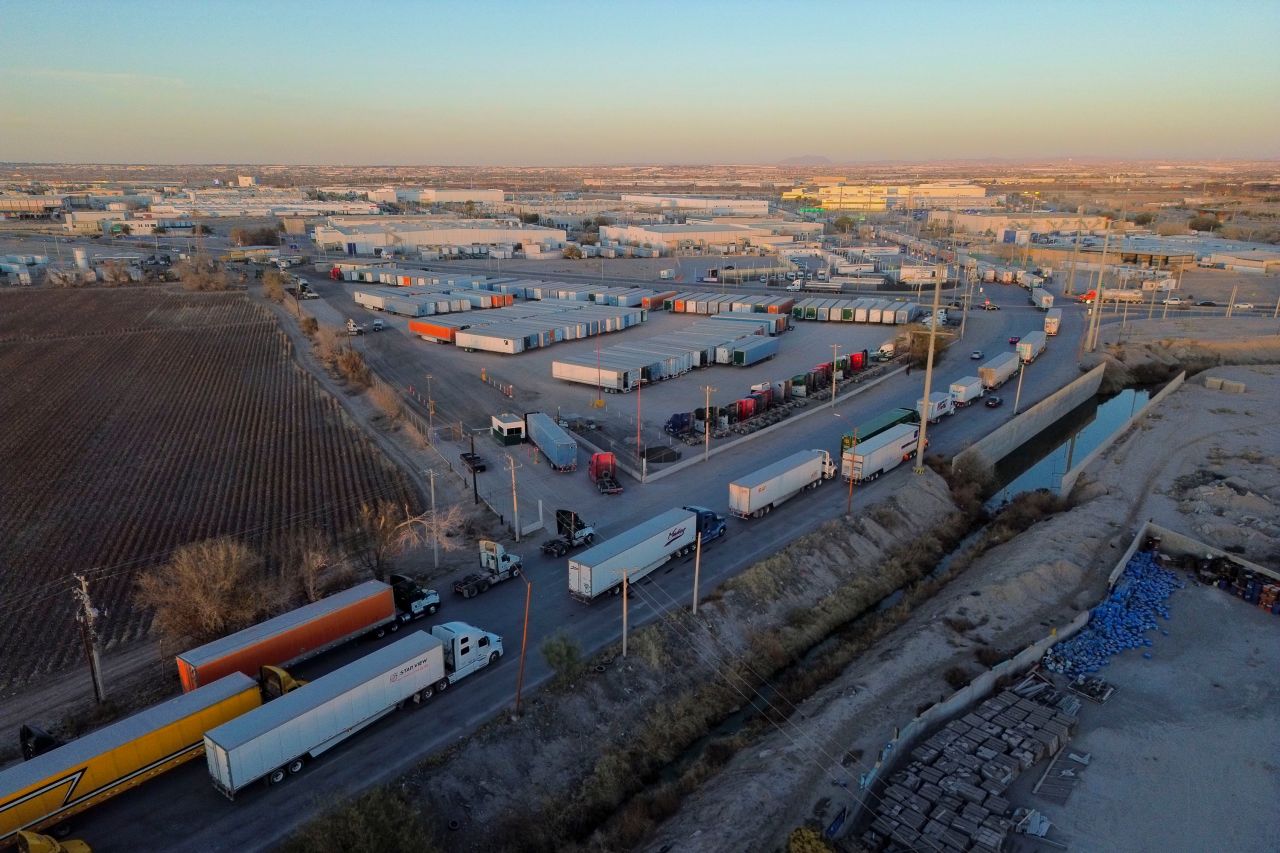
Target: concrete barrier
[
  {"x": 995, "y": 446},
  {"x": 1069, "y": 479}
]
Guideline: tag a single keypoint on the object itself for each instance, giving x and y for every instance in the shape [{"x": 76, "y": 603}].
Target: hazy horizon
[{"x": 661, "y": 84}]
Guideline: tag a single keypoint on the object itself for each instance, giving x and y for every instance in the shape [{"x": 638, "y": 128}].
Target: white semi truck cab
[{"x": 466, "y": 648}]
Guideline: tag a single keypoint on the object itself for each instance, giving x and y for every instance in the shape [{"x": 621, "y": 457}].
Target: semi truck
[
  {"x": 640, "y": 550},
  {"x": 936, "y": 407},
  {"x": 555, "y": 443},
  {"x": 997, "y": 371},
  {"x": 51, "y": 787},
  {"x": 877, "y": 425},
  {"x": 1052, "y": 321},
  {"x": 965, "y": 390},
  {"x": 602, "y": 468},
  {"x": 276, "y": 740},
  {"x": 367, "y": 608},
  {"x": 496, "y": 566},
  {"x": 571, "y": 532},
  {"x": 757, "y": 493},
  {"x": 867, "y": 460},
  {"x": 1030, "y": 346},
  {"x": 1041, "y": 298}
]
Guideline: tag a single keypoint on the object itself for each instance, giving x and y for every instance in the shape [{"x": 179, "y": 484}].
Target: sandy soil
[{"x": 1206, "y": 463}]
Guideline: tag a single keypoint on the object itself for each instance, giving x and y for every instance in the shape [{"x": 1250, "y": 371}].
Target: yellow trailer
[{"x": 51, "y": 787}]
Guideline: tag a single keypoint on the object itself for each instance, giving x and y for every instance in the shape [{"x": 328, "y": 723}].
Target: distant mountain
[{"x": 806, "y": 160}]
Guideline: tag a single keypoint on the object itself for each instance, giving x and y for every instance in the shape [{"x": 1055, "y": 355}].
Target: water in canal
[{"x": 1041, "y": 462}]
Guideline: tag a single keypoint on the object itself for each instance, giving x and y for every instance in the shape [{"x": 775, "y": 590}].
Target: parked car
[
  {"x": 1013, "y": 340},
  {"x": 976, "y": 355},
  {"x": 993, "y": 402},
  {"x": 473, "y": 462},
  {"x": 990, "y": 306}
]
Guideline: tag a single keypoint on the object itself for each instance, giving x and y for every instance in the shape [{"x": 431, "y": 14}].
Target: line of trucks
[{"x": 244, "y": 712}]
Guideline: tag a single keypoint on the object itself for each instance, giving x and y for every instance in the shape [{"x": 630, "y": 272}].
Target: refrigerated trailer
[
  {"x": 640, "y": 550},
  {"x": 278, "y": 738},
  {"x": 51, "y": 787},
  {"x": 367, "y": 608},
  {"x": 965, "y": 390},
  {"x": 757, "y": 493},
  {"x": 867, "y": 460},
  {"x": 998, "y": 370},
  {"x": 1052, "y": 321},
  {"x": 938, "y": 405},
  {"x": 1031, "y": 346},
  {"x": 553, "y": 440},
  {"x": 1041, "y": 298}
]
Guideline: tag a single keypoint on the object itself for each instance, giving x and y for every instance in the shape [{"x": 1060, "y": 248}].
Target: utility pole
[
  {"x": 1151, "y": 309},
  {"x": 431, "y": 410},
  {"x": 928, "y": 377},
  {"x": 848, "y": 504},
  {"x": 639, "y": 451},
  {"x": 515, "y": 498},
  {"x": 1017, "y": 398},
  {"x": 697, "y": 570},
  {"x": 435, "y": 528},
  {"x": 968, "y": 298},
  {"x": 524, "y": 640},
  {"x": 1097, "y": 302},
  {"x": 626, "y": 593},
  {"x": 1231, "y": 305},
  {"x": 1075, "y": 252},
  {"x": 88, "y": 619},
  {"x": 706, "y": 437},
  {"x": 835, "y": 348}
]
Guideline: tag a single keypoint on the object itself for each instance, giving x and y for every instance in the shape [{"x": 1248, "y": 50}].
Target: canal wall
[
  {"x": 1003, "y": 441},
  {"x": 1069, "y": 479}
]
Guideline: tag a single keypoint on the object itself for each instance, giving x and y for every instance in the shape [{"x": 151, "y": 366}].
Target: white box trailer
[
  {"x": 1052, "y": 321},
  {"x": 1031, "y": 346},
  {"x": 640, "y": 550},
  {"x": 1041, "y": 298},
  {"x": 276, "y": 739},
  {"x": 965, "y": 390},
  {"x": 881, "y": 453},
  {"x": 938, "y": 405},
  {"x": 757, "y": 493},
  {"x": 998, "y": 370}
]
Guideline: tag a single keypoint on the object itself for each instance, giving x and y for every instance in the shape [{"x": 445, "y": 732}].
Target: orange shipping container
[
  {"x": 432, "y": 330},
  {"x": 290, "y": 637}
]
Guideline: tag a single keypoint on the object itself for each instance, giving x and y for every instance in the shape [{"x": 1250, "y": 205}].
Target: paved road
[{"x": 181, "y": 811}]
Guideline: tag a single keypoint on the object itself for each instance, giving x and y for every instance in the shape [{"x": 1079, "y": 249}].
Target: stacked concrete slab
[{"x": 951, "y": 796}]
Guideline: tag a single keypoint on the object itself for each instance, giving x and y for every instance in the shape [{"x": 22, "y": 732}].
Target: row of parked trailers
[
  {"x": 701, "y": 302},
  {"x": 427, "y": 301},
  {"x": 622, "y": 367},
  {"x": 884, "y": 311},
  {"x": 526, "y": 325}
]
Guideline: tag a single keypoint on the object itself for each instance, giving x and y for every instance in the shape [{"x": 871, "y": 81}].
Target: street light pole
[
  {"x": 1017, "y": 398},
  {"x": 515, "y": 498},
  {"x": 625, "y": 596},
  {"x": 928, "y": 377},
  {"x": 431, "y": 409},
  {"x": 697, "y": 571},
  {"x": 706, "y": 432},
  {"x": 435, "y": 528},
  {"x": 835, "y": 348},
  {"x": 524, "y": 640}
]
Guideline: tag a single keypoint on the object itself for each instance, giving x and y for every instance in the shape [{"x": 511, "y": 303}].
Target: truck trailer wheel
[
  {"x": 442, "y": 685},
  {"x": 431, "y": 611},
  {"x": 493, "y": 658},
  {"x": 275, "y": 777},
  {"x": 380, "y": 632},
  {"x": 394, "y": 626},
  {"x": 296, "y": 765}
]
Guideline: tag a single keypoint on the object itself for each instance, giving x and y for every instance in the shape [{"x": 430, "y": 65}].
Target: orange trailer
[
  {"x": 435, "y": 331},
  {"x": 293, "y": 636}
]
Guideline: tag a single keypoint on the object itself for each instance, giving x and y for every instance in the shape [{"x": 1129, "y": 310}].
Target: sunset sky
[{"x": 481, "y": 83}]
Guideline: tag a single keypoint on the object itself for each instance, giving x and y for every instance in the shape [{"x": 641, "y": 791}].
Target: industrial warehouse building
[
  {"x": 1259, "y": 262},
  {"x": 701, "y": 235},
  {"x": 431, "y": 195},
  {"x": 19, "y": 206},
  {"x": 698, "y": 204},
  {"x": 881, "y": 197},
  {"x": 414, "y": 233},
  {"x": 997, "y": 223}
]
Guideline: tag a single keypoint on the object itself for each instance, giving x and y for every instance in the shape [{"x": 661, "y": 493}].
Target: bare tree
[
  {"x": 207, "y": 590},
  {"x": 387, "y": 401},
  {"x": 273, "y": 285},
  {"x": 329, "y": 344},
  {"x": 310, "y": 564},
  {"x": 386, "y": 530},
  {"x": 202, "y": 272}
]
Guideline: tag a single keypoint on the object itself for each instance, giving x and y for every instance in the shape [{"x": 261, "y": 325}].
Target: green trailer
[{"x": 877, "y": 425}]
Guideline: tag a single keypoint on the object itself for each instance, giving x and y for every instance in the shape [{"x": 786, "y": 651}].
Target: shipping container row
[
  {"x": 527, "y": 325},
  {"x": 702, "y": 302},
  {"x": 866, "y": 310}
]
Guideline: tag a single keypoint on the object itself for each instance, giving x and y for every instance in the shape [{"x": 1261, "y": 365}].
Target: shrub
[
  {"x": 351, "y": 365},
  {"x": 564, "y": 656},
  {"x": 956, "y": 677},
  {"x": 382, "y": 820},
  {"x": 1204, "y": 223},
  {"x": 309, "y": 326}
]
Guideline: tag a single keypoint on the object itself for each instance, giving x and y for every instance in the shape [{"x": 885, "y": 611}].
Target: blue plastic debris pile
[{"x": 1122, "y": 621}]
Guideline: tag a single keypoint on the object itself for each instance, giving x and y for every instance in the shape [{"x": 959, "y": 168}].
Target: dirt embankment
[
  {"x": 1206, "y": 463},
  {"x": 1152, "y": 351}
]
